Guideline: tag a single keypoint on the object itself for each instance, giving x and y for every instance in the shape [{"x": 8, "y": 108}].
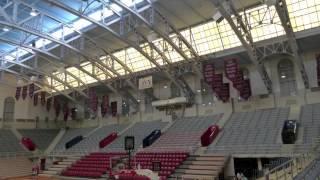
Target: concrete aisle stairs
[
  {"x": 56, "y": 169},
  {"x": 200, "y": 167}
]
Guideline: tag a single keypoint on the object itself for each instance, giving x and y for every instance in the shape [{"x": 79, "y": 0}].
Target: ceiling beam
[
  {"x": 170, "y": 76},
  {"x": 226, "y": 8},
  {"x": 282, "y": 11},
  {"x": 39, "y": 84},
  {"x": 30, "y": 49},
  {"x": 96, "y": 62},
  {"x": 46, "y": 74},
  {"x": 38, "y": 50}
]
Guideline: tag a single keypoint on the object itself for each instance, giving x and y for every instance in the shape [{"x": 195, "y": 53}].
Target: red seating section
[
  {"x": 28, "y": 143},
  {"x": 107, "y": 140},
  {"x": 169, "y": 161},
  {"x": 209, "y": 135},
  {"x": 93, "y": 165}
]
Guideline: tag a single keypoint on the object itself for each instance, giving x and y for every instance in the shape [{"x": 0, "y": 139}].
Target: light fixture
[
  {"x": 203, "y": 104},
  {"x": 165, "y": 86},
  {"x": 199, "y": 90},
  {"x": 33, "y": 78},
  {"x": 19, "y": 82},
  {"x": 209, "y": 103},
  {"x": 33, "y": 12},
  {"x": 283, "y": 76},
  {"x": 204, "y": 90},
  {"x": 217, "y": 17},
  {"x": 152, "y": 36},
  {"x": 138, "y": 100},
  {"x": 6, "y": 29}
]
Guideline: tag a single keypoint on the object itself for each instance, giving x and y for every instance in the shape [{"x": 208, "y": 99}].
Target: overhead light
[
  {"x": 283, "y": 76},
  {"x": 138, "y": 100},
  {"x": 209, "y": 103},
  {"x": 33, "y": 78},
  {"x": 152, "y": 36},
  {"x": 33, "y": 12},
  {"x": 199, "y": 90},
  {"x": 165, "y": 86},
  {"x": 203, "y": 104},
  {"x": 217, "y": 17},
  {"x": 6, "y": 29},
  {"x": 19, "y": 82},
  {"x": 204, "y": 90}
]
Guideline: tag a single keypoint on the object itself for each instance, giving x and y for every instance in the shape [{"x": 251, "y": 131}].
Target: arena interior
[{"x": 160, "y": 89}]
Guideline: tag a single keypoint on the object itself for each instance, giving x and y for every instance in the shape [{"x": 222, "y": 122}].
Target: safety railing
[{"x": 296, "y": 165}]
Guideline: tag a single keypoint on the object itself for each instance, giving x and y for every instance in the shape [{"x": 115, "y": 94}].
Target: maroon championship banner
[
  {"x": 57, "y": 107},
  {"x": 93, "y": 100},
  {"x": 31, "y": 90},
  {"x": 114, "y": 108},
  {"x": 217, "y": 83},
  {"x": 238, "y": 83},
  {"x": 104, "y": 105},
  {"x": 65, "y": 111},
  {"x": 231, "y": 69},
  {"x": 224, "y": 93},
  {"x": 24, "y": 92},
  {"x": 48, "y": 104},
  {"x": 318, "y": 69},
  {"x": 245, "y": 92},
  {"x": 35, "y": 99},
  {"x": 43, "y": 98},
  {"x": 208, "y": 73},
  {"x": 18, "y": 93}
]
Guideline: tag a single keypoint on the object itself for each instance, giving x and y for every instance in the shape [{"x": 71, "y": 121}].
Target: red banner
[
  {"x": 35, "y": 99},
  {"x": 43, "y": 98},
  {"x": 18, "y": 93},
  {"x": 24, "y": 92},
  {"x": 65, "y": 111},
  {"x": 224, "y": 93},
  {"x": 104, "y": 105},
  {"x": 93, "y": 101},
  {"x": 57, "y": 107},
  {"x": 31, "y": 90},
  {"x": 48, "y": 105},
  {"x": 318, "y": 69},
  {"x": 231, "y": 68},
  {"x": 217, "y": 82},
  {"x": 238, "y": 83},
  {"x": 245, "y": 92},
  {"x": 114, "y": 108},
  {"x": 208, "y": 73}
]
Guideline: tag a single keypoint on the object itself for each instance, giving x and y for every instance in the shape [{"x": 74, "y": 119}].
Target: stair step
[
  {"x": 190, "y": 176},
  {"x": 50, "y": 172},
  {"x": 212, "y": 163},
  {"x": 65, "y": 163},
  {"x": 56, "y": 168},
  {"x": 46, "y": 175},
  {"x": 198, "y": 172},
  {"x": 60, "y": 166},
  {"x": 200, "y": 167},
  {"x": 208, "y": 158}
]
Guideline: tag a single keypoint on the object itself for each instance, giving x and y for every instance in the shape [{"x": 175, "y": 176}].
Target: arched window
[
  {"x": 287, "y": 78},
  {"x": 8, "y": 109},
  {"x": 175, "y": 91}
]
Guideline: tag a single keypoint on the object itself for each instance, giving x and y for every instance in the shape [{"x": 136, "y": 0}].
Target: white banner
[{"x": 145, "y": 82}]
